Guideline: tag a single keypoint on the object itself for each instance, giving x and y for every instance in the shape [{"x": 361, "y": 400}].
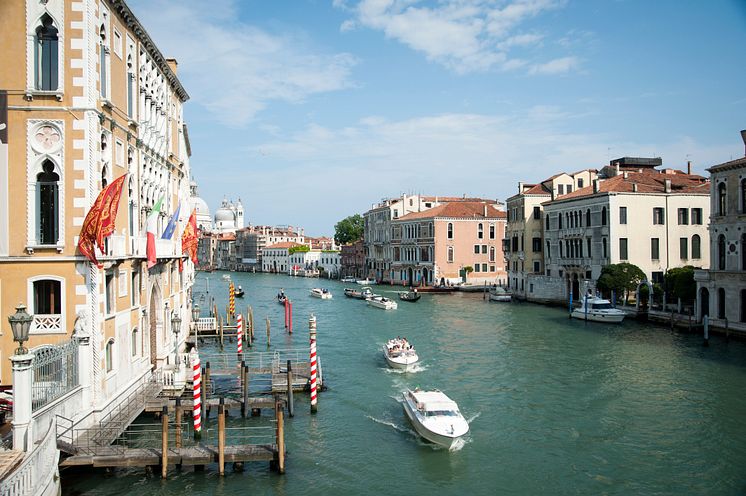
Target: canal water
[{"x": 555, "y": 406}]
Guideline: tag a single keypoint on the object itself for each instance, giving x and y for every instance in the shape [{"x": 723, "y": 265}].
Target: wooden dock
[{"x": 191, "y": 456}]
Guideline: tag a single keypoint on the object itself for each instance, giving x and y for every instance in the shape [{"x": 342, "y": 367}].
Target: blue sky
[{"x": 312, "y": 110}]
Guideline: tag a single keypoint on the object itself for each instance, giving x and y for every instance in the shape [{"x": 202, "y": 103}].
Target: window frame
[{"x": 30, "y": 304}]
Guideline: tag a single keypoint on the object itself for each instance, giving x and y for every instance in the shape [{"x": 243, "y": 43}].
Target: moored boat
[
  {"x": 238, "y": 293},
  {"x": 400, "y": 354},
  {"x": 348, "y": 279},
  {"x": 435, "y": 416},
  {"x": 382, "y": 302},
  {"x": 597, "y": 309},
  {"x": 366, "y": 282},
  {"x": 498, "y": 293},
  {"x": 322, "y": 293},
  {"x": 410, "y": 296}
]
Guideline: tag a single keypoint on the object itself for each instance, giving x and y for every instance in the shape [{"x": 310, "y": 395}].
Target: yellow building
[{"x": 90, "y": 98}]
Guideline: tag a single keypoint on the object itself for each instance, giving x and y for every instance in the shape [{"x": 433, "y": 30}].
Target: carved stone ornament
[
  {"x": 80, "y": 328},
  {"x": 47, "y": 139}
]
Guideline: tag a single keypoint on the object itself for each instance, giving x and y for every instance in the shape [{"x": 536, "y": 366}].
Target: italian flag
[{"x": 152, "y": 223}]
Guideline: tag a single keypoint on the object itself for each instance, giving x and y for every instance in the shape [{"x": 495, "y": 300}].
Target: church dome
[
  {"x": 199, "y": 205},
  {"x": 224, "y": 215}
]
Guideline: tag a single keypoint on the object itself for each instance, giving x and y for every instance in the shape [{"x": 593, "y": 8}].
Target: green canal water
[{"x": 555, "y": 406}]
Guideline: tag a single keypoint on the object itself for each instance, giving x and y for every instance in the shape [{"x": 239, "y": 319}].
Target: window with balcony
[
  {"x": 622, "y": 215},
  {"x": 683, "y": 216},
  {"x": 623, "y": 254},
  {"x": 659, "y": 216},
  {"x": 655, "y": 248},
  {"x": 47, "y": 305}
]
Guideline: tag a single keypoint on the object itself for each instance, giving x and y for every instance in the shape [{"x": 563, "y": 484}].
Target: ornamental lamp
[
  {"x": 195, "y": 313},
  {"x": 20, "y": 324},
  {"x": 175, "y": 323}
]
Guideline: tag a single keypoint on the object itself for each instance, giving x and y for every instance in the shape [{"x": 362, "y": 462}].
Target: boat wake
[
  {"x": 412, "y": 370},
  {"x": 473, "y": 418},
  {"x": 390, "y": 424}
]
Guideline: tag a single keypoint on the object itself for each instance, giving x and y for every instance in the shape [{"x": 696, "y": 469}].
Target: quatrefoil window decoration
[{"x": 47, "y": 137}]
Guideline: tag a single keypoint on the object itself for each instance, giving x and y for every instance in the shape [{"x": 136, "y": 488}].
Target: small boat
[
  {"x": 366, "y": 282},
  {"x": 362, "y": 294},
  {"x": 498, "y": 293},
  {"x": 409, "y": 295},
  {"x": 324, "y": 294},
  {"x": 597, "y": 310},
  {"x": 435, "y": 416},
  {"x": 436, "y": 289},
  {"x": 400, "y": 354},
  {"x": 238, "y": 293},
  {"x": 382, "y": 302},
  {"x": 348, "y": 279},
  {"x": 226, "y": 277},
  {"x": 281, "y": 297}
]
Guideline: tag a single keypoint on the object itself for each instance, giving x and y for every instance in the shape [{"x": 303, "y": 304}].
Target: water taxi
[
  {"x": 324, "y": 294},
  {"x": 366, "y": 282},
  {"x": 348, "y": 279},
  {"x": 362, "y": 294},
  {"x": 400, "y": 354},
  {"x": 382, "y": 302},
  {"x": 597, "y": 310},
  {"x": 435, "y": 416},
  {"x": 498, "y": 293}
]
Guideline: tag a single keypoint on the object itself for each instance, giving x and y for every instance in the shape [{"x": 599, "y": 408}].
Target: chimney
[
  {"x": 626, "y": 175},
  {"x": 173, "y": 65},
  {"x": 616, "y": 164},
  {"x": 667, "y": 185},
  {"x": 520, "y": 187},
  {"x": 595, "y": 185},
  {"x": 743, "y": 137},
  {"x": 634, "y": 187},
  {"x": 689, "y": 167},
  {"x": 485, "y": 209}
]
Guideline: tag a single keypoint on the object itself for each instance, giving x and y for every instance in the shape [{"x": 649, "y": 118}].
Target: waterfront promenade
[{"x": 556, "y": 406}]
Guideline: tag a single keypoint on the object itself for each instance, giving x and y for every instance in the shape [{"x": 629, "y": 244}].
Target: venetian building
[
  {"x": 204, "y": 219},
  {"x": 229, "y": 217},
  {"x": 90, "y": 98}
]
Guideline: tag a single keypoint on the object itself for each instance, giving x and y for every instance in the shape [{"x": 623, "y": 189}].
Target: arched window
[
  {"x": 130, "y": 87},
  {"x": 450, "y": 230},
  {"x": 547, "y": 222},
  {"x": 603, "y": 243},
  {"x": 110, "y": 355},
  {"x": 132, "y": 206},
  {"x": 721, "y": 199},
  {"x": 577, "y": 219},
  {"x": 603, "y": 216},
  {"x": 721, "y": 303},
  {"x": 46, "y": 55},
  {"x": 560, "y": 220},
  {"x": 492, "y": 253},
  {"x": 134, "y": 342},
  {"x": 103, "y": 59},
  {"x": 47, "y": 204},
  {"x": 588, "y": 217},
  {"x": 721, "y": 252},
  {"x": 104, "y": 179},
  {"x": 480, "y": 230},
  {"x": 696, "y": 247},
  {"x": 450, "y": 253},
  {"x": 47, "y": 297},
  {"x": 743, "y": 196}
]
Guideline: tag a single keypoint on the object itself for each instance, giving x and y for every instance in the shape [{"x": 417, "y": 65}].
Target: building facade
[
  {"x": 721, "y": 290},
  {"x": 440, "y": 245},
  {"x": 90, "y": 98},
  {"x": 352, "y": 260},
  {"x": 655, "y": 219},
  {"x": 251, "y": 241}
]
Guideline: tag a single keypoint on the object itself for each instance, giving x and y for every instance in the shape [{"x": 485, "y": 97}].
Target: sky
[{"x": 313, "y": 110}]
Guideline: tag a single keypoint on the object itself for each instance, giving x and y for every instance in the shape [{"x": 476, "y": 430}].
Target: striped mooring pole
[
  {"x": 231, "y": 300},
  {"x": 239, "y": 333},
  {"x": 197, "y": 396},
  {"x": 312, "y": 332}
]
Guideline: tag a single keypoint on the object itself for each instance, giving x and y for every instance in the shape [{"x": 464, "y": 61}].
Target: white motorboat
[
  {"x": 597, "y": 310},
  {"x": 363, "y": 294},
  {"x": 366, "y": 282},
  {"x": 382, "y": 302},
  {"x": 348, "y": 279},
  {"x": 498, "y": 293},
  {"x": 400, "y": 354},
  {"x": 324, "y": 294},
  {"x": 435, "y": 416}
]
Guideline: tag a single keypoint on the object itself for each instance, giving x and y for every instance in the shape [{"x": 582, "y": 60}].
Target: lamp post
[
  {"x": 175, "y": 327},
  {"x": 20, "y": 324},
  {"x": 195, "y": 318}
]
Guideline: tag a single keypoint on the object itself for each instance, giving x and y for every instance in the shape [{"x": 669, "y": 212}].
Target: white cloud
[
  {"x": 234, "y": 69},
  {"x": 465, "y": 36},
  {"x": 557, "y": 66}
]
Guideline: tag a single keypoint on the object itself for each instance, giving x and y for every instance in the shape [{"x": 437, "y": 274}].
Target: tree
[
  {"x": 622, "y": 277},
  {"x": 680, "y": 283},
  {"x": 349, "y": 229}
]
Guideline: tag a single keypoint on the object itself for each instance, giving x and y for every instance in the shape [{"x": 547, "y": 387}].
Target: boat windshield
[
  {"x": 602, "y": 306},
  {"x": 441, "y": 413}
]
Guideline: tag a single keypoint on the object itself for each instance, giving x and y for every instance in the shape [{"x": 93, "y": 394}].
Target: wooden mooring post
[
  {"x": 291, "y": 407},
  {"x": 221, "y": 438},
  {"x": 268, "y": 338},
  {"x": 280, "y": 438},
  {"x": 177, "y": 422},
  {"x": 205, "y": 386},
  {"x": 164, "y": 442},
  {"x": 251, "y": 323},
  {"x": 221, "y": 332},
  {"x": 244, "y": 388}
]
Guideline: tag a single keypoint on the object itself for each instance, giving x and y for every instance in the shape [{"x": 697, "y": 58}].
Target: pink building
[{"x": 438, "y": 245}]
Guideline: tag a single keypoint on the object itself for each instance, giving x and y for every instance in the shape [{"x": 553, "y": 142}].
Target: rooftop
[{"x": 475, "y": 209}]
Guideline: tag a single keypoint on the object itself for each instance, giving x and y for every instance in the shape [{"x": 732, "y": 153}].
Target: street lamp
[
  {"x": 20, "y": 323},
  {"x": 175, "y": 327},
  {"x": 195, "y": 317},
  {"x": 195, "y": 313}
]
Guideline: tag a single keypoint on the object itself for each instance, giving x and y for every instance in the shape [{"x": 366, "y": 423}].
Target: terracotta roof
[
  {"x": 444, "y": 199},
  {"x": 646, "y": 183},
  {"x": 457, "y": 209},
  {"x": 537, "y": 189},
  {"x": 286, "y": 244}
]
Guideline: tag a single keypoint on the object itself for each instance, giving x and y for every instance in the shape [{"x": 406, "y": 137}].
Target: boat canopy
[{"x": 434, "y": 401}]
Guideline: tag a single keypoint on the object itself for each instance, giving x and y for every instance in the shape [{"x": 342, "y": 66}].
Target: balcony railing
[{"x": 47, "y": 323}]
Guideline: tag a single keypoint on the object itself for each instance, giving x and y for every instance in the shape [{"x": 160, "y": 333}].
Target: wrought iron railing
[{"x": 55, "y": 373}]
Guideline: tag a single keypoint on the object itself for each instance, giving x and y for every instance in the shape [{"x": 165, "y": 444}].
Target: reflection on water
[{"x": 557, "y": 406}]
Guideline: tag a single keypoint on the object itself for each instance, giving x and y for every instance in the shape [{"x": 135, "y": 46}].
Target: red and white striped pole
[
  {"x": 290, "y": 317},
  {"x": 197, "y": 397},
  {"x": 287, "y": 308},
  {"x": 239, "y": 333},
  {"x": 312, "y": 332}
]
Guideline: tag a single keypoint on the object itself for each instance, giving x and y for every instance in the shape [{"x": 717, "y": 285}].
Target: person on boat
[{"x": 281, "y": 294}]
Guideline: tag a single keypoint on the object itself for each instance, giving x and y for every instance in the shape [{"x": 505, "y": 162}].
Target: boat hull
[
  {"x": 323, "y": 296},
  {"x": 611, "y": 318},
  {"x": 405, "y": 363},
  {"x": 434, "y": 437},
  {"x": 501, "y": 298},
  {"x": 388, "y": 305}
]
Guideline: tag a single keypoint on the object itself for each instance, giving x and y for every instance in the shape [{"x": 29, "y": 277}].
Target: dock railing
[{"x": 37, "y": 471}]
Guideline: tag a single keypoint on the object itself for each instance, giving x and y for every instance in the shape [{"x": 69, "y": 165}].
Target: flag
[
  {"x": 171, "y": 226},
  {"x": 99, "y": 221},
  {"x": 152, "y": 223},
  {"x": 189, "y": 240}
]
